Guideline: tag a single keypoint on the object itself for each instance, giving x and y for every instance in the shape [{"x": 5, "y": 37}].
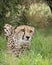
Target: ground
[{"x": 39, "y": 54}]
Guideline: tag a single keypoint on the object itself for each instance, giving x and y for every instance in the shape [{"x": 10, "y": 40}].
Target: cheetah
[{"x": 19, "y": 38}]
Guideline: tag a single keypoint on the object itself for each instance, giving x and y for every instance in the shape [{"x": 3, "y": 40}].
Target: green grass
[{"x": 39, "y": 54}]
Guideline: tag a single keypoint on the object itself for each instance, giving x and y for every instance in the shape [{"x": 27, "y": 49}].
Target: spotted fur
[{"x": 18, "y": 39}]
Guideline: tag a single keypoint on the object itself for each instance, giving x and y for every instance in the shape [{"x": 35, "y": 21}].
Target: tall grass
[{"x": 39, "y": 54}]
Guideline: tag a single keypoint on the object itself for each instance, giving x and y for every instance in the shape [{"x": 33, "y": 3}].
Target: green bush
[{"x": 39, "y": 14}]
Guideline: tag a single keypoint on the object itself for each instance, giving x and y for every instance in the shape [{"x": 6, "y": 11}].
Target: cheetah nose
[{"x": 27, "y": 37}]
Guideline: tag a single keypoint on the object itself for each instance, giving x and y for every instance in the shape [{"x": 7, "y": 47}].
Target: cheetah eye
[
  {"x": 31, "y": 31},
  {"x": 23, "y": 30}
]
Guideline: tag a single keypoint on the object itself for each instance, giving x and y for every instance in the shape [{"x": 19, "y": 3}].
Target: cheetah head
[{"x": 24, "y": 33}]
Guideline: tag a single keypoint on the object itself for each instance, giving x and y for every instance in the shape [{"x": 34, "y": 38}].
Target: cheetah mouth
[{"x": 25, "y": 40}]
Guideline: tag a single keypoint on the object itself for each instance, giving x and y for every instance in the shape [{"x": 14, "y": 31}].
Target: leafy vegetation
[{"x": 18, "y": 12}]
